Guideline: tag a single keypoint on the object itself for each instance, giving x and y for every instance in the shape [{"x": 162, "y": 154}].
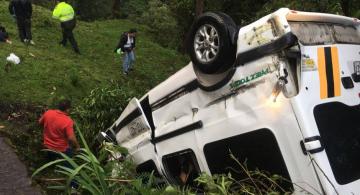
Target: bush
[
  {"x": 93, "y": 9},
  {"x": 100, "y": 109},
  {"x": 133, "y": 9},
  {"x": 255, "y": 182},
  {"x": 326, "y": 6},
  {"x": 88, "y": 172},
  {"x": 95, "y": 175},
  {"x": 163, "y": 24}
]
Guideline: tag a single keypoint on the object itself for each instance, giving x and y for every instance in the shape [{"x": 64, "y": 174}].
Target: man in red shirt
[{"x": 58, "y": 130}]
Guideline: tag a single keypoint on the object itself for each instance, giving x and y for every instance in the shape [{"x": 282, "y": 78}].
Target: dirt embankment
[
  {"x": 19, "y": 125},
  {"x": 19, "y": 134},
  {"x": 20, "y": 113}
]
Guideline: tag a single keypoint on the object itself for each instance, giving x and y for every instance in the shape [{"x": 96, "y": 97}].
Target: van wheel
[{"x": 212, "y": 43}]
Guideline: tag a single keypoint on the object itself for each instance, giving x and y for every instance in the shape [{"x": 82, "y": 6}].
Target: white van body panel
[
  {"x": 309, "y": 97},
  {"x": 183, "y": 76},
  {"x": 245, "y": 104}
]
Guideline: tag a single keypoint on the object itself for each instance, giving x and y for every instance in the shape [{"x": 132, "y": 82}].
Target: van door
[
  {"x": 328, "y": 105},
  {"x": 176, "y": 149}
]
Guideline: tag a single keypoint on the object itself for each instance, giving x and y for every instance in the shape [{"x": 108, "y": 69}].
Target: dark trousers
[
  {"x": 24, "y": 27},
  {"x": 67, "y": 32},
  {"x": 51, "y": 156}
]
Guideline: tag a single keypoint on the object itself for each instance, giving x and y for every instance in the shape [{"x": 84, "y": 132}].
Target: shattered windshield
[{"x": 312, "y": 33}]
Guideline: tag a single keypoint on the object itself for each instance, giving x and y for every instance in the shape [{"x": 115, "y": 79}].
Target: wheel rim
[{"x": 206, "y": 43}]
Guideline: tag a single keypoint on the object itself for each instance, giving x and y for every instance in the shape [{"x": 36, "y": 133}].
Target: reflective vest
[{"x": 64, "y": 12}]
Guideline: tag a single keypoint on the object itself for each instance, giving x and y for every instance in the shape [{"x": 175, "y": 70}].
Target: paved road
[{"x": 13, "y": 174}]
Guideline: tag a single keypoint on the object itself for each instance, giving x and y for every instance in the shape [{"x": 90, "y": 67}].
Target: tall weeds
[
  {"x": 86, "y": 169},
  {"x": 256, "y": 182},
  {"x": 100, "y": 109},
  {"x": 113, "y": 172}
]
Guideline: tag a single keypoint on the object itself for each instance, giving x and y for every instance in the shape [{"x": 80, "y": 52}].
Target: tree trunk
[
  {"x": 116, "y": 8},
  {"x": 199, "y": 7},
  {"x": 345, "y": 6}
]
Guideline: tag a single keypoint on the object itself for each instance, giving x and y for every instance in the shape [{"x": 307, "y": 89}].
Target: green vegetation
[
  {"x": 176, "y": 16},
  {"x": 93, "y": 81},
  {"x": 48, "y": 70},
  {"x": 98, "y": 89},
  {"x": 111, "y": 173},
  {"x": 86, "y": 169},
  {"x": 103, "y": 105}
]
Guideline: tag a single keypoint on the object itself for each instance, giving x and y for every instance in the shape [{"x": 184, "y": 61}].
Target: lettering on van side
[{"x": 236, "y": 84}]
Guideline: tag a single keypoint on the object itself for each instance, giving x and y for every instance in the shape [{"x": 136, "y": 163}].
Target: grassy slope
[{"x": 54, "y": 69}]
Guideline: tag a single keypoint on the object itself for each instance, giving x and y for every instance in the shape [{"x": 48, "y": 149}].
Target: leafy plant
[
  {"x": 100, "y": 109},
  {"x": 163, "y": 24},
  {"x": 256, "y": 182},
  {"x": 133, "y": 9},
  {"x": 106, "y": 175},
  {"x": 86, "y": 169}
]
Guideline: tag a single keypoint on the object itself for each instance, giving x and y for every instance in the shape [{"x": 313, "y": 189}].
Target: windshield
[{"x": 313, "y": 33}]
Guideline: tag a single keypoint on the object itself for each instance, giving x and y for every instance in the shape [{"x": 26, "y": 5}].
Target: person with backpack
[
  {"x": 4, "y": 36},
  {"x": 65, "y": 13},
  {"x": 127, "y": 45},
  {"x": 21, "y": 10}
]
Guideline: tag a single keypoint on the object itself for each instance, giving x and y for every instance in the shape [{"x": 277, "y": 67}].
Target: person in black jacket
[
  {"x": 127, "y": 45},
  {"x": 22, "y": 11}
]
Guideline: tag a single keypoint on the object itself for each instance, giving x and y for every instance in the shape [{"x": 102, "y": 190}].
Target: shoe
[
  {"x": 131, "y": 69},
  {"x": 32, "y": 42},
  {"x": 25, "y": 41},
  {"x": 125, "y": 73}
]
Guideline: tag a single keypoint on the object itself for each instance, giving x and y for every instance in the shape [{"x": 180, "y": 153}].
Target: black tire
[{"x": 225, "y": 55}]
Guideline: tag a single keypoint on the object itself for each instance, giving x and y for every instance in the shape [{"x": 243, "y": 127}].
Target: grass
[{"x": 48, "y": 70}]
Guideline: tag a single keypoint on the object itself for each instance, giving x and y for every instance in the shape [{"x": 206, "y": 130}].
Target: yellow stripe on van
[
  {"x": 329, "y": 72},
  {"x": 322, "y": 72},
  {"x": 336, "y": 71}
]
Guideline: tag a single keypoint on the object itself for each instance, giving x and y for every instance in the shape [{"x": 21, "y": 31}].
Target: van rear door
[{"x": 328, "y": 104}]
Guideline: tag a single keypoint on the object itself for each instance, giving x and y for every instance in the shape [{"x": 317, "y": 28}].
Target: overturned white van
[{"x": 282, "y": 94}]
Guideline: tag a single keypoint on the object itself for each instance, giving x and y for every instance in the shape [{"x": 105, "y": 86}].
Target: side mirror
[
  {"x": 104, "y": 136},
  {"x": 287, "y": 82}
]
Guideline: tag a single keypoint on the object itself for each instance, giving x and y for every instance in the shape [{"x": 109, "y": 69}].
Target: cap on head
[{"x": 64, "y": 105}]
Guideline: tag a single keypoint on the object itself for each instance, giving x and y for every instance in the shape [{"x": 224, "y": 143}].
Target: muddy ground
[{"x": 20, "y": 138}]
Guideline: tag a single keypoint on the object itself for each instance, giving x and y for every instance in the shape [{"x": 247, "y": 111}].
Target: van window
[
  {"x": 256, "y": 150},
  {"x": 339, "y": 127},
  {"x": 182, "y": 168},
  {"x": 147, "y": 167},
  {"x": 145, "y": 105}
]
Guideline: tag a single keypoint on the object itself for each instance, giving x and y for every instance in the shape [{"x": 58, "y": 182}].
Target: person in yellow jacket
[{"x": 65, "y": 13}]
